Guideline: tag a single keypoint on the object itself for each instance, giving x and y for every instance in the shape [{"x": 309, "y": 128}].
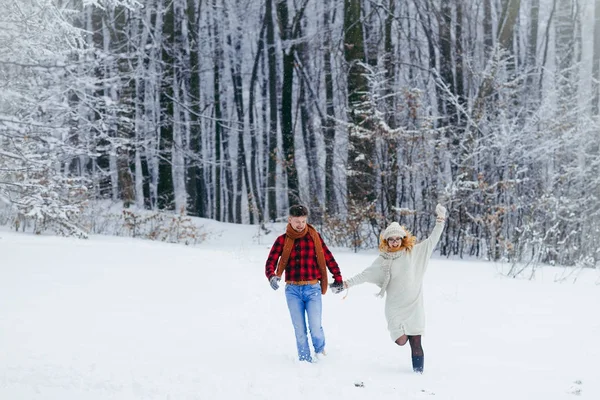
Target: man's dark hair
[{"x": 298, "y": 211}]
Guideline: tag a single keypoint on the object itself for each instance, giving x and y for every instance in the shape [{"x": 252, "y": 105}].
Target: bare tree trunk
[
  {"x": 110, "y": 93},
  {"x": 153, "y": 97},
  {"x": 309, "y": 135},
  {"x": 390, "y": 175},
  {"x": 265, "y": 116},
  {"x": 447, "y": 107},
  {"x": 180, "y": 85},
  {"x": 165, "y": 177},
  {"x": 361, "y": 188},
  {"x": 235, "y": 54},
  {"x": 596, "y": 62},
  {"x": 219, "y": 163},
  {"x": 227, "y": 172},
  {"x": 565, "y": 52},
  {"x": 138, "y": 116},
  {"x": 531, "y": 60},
  {"x": 546, "y": 45},
  {"x": 310, "y": 148},
  {"x": 329, "y": 122},
  {"x": 508, "y": 20},
  {"x": 196, "y": 183},
  {"x": 254, "y": 168},
  {"x": 460, "y": 78},
  {"x": 272, "y": 137},
  {"x": 123, "y": 92},
  {"x": 289, "y": 32},
  {"x": 488, "y": 32}
]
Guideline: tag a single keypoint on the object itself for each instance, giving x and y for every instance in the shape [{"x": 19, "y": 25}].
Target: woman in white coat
[{"x": 399, "y": 271}]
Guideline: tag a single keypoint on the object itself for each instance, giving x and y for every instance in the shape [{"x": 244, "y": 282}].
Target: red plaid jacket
[{"x": 302, "y": 264}]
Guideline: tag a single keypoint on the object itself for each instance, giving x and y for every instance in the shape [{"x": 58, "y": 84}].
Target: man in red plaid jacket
[{"x": 302, "y": 254}]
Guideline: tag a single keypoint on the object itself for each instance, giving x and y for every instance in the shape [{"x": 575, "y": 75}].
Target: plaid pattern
[{"x": 302, "y": 264}]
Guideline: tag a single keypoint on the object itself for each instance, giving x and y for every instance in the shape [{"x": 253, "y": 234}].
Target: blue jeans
[{"x": 305, "y": 301}]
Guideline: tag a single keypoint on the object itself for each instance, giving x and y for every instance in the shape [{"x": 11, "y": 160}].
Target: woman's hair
[{"x": 298, "y": 211}]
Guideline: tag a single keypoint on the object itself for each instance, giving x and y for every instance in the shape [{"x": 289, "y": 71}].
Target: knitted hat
[{"x": 394, "y": 230}]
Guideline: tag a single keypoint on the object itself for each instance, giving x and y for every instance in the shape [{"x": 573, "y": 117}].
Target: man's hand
[
  {"x": 274, "y": 282},
  {"x": 336, "y": 287}
]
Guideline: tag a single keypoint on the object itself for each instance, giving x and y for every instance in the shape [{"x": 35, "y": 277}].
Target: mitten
[
  {"x": 274, "y": 281},
  {"x": 440, "y": 211},
  {"x": 336, "y": 287}
]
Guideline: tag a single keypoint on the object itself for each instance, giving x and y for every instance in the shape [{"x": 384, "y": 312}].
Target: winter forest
[{"x": 367, "y": 111}]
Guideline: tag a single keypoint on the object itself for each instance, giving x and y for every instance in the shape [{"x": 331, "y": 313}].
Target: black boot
[{"x": 417, "y": 362}]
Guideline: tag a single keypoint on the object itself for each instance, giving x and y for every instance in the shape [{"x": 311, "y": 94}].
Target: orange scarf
[{"x": 290, "y": 236}]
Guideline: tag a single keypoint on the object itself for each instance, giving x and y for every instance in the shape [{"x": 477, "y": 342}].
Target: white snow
[{"x": 117, "y": 318}]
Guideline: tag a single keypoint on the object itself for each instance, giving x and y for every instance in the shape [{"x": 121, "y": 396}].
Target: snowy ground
[{"x": 114, "y": 318}]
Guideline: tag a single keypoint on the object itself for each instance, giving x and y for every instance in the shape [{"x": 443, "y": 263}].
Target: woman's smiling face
[{"x": 394, "y": 242}]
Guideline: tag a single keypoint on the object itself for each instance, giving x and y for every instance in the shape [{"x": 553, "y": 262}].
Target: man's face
[{"x": 297, "y": 223}]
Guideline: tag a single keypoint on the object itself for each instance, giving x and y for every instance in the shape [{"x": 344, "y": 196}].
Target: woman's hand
[{"x": 440, "y": 212}]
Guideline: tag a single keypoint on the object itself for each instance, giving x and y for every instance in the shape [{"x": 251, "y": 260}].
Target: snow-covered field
[{"x": 115, "y": 318}]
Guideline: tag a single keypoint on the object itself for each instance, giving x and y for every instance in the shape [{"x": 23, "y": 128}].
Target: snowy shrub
[
  {"x": 354, "y": 230},
  {"x": 164, "y": 227},
  {"x": 113, "y": 219}
]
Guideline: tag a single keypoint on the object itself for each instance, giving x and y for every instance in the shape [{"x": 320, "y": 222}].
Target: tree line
[{"x": 367, "y": 111}]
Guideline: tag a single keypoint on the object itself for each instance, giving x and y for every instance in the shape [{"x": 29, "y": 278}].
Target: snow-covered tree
[{"x": 37, "y": 44}]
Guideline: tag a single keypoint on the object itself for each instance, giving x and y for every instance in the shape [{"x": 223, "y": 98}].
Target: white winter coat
[{"x": 404, "y": 309}]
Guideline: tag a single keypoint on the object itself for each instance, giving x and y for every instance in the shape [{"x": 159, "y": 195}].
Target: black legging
[{"x": 415, "y": 345}]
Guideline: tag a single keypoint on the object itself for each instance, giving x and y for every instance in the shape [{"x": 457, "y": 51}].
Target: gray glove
[
  {"x": 274, "y": 281},
  {"x": 336, "y": 287}
]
